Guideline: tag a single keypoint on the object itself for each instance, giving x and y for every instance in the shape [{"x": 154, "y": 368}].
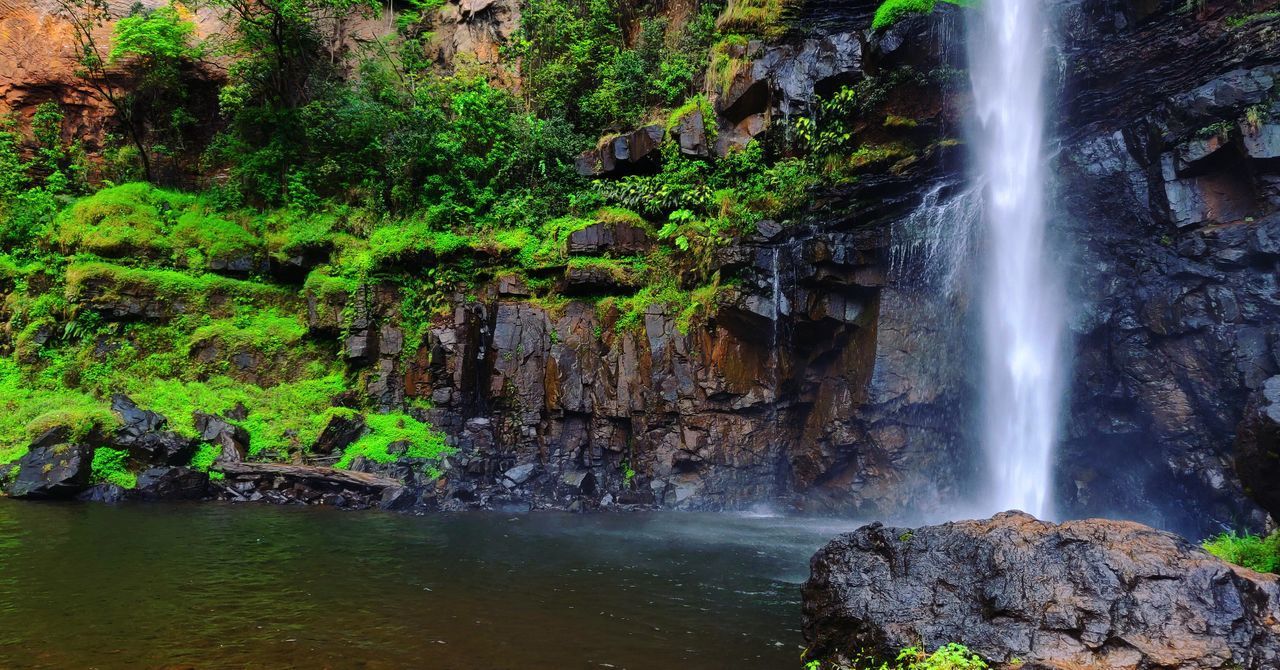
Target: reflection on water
[{"x": 221, "y": 586}]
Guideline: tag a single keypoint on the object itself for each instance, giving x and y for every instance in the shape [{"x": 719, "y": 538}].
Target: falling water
[{"x": 1022, "y": 308}]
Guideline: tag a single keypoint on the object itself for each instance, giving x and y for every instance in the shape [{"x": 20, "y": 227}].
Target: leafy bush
[
  {"x": 1251, "y": 551},
  {"x": 111, "y": 465}
]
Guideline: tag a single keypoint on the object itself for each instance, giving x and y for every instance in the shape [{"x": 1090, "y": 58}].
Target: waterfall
[{"x": 1022, "y": 307}]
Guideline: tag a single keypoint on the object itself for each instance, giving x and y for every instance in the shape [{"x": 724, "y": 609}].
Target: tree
[{"x": 153, "y": 46}]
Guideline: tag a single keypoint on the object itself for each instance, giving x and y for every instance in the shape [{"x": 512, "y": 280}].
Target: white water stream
[{"x": 1022, "y": 305}]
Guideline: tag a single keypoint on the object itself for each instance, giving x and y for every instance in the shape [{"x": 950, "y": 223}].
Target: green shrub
[
  {"x": 1251, "y": 551},
  {"x": 422, "y": 440},
  {"x": 947, "y": 657},
  {"x": 111, "y": 466}
]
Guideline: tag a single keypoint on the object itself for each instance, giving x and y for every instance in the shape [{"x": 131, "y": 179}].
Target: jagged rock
[
  {"x": 339, "y": 433},
  {"x": 691, "y": 134},
  {"x": 172, "y": 483},
  {"x": 135, "y": 422},
  {"x": 53, "y": 468},
  {"x": 1257, "y": 448},
  {"x": 632, "y": 153},
  {"x": 618, "y": 238},
  {"x": 398, "y": 498},
  {"x": 233, "y": 439},
  {"x": 590, "y": 279},
  {"x": 1095, "y": 593},
  {"x": 141, "y": 433},
  {"x": 301, "y": 484},
  {"x": 103, "y": 493},
  {"x": 519, "y": 475}
]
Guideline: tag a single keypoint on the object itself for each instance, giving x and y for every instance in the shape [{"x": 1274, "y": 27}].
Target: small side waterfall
[{"x": 1022, "y": 305}]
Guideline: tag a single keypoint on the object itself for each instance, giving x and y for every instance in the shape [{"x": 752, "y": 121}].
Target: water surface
[{"x": 248, "y": 586}]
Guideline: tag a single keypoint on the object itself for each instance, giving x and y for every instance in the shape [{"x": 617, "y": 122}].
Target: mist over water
[{"x": 1022, "y": 305}]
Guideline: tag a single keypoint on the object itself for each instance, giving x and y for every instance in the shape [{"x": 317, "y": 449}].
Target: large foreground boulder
[{"x": 1083, "y": 594}]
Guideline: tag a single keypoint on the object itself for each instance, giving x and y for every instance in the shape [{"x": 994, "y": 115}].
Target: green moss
[
  {"x": 695, "y": 104},
  {"x": 1251, "y": 551},
  {"x": 895, "y": 121},
  {"x": 211, "y": 237},
  {"x": 397, "y": 242},
  {"x": 205, "y": 456},
  {"x": 126, "y": 219},
  {"x": 166, "y": 284},
  {"x": 290, "y": 232},
  {"x": 891, "y": 11},
  {"x": 387, "y": 429},
  {"x": 283, "y": 417},
  {"x": 328, "y": 287},
  {"x": 267, "y": 331},
  {"x": 111, "y": 465},
  {"x": 756, "y": 17},
  {"x": 26, "y": 410}
]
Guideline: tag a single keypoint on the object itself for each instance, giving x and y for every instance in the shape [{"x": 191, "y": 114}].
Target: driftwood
[{"x": 310, "y": 475}]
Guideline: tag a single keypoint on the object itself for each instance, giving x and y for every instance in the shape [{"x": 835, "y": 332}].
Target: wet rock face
[
  {"x": 1168, "y": 194},
  {"x": 1258, "y": 447},
  {"x": 1089, "y": 594}
]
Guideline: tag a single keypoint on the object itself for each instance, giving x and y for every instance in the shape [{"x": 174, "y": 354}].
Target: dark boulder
[
  {"x": 1083, "y": 594},
  {"x": 1258, "y": 447},
  {"x": 339, "y": 433},
  {"x": 103, "y": 493},
  {"x": 141, "y": 433},
  {"x": 134, "y": 421},
  {"x": 53, "y": 468},
  {"x": 174, "y": 483},
  {"x": 233, "y": 439}
]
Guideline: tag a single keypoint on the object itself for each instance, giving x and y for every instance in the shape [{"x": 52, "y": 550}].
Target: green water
[{"x": 224, "y": 586}]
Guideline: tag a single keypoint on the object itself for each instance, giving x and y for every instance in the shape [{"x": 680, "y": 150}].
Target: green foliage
[
  {"x": 28, "y": 409},
  {"x": 1251, "y": 551},
  {"x": 205, "y": 456},
  {"x": 890, "y": 11},
  {"x": 111, "y": 466},
  {"x": 947, "y": 657},
  {"x": 267, "y": 331},
  {"x": 167, "y": 284},
  {"x": 574, "y": 56},
  {"x": 123, "y": 220},
  {"x": 161, "y": 36},
  {"x": 1256, "y": 17},
  {"x": 419, "y": 440},
  {"x": 755, "y": 17},
  {"x": 288, "y": 416}
]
